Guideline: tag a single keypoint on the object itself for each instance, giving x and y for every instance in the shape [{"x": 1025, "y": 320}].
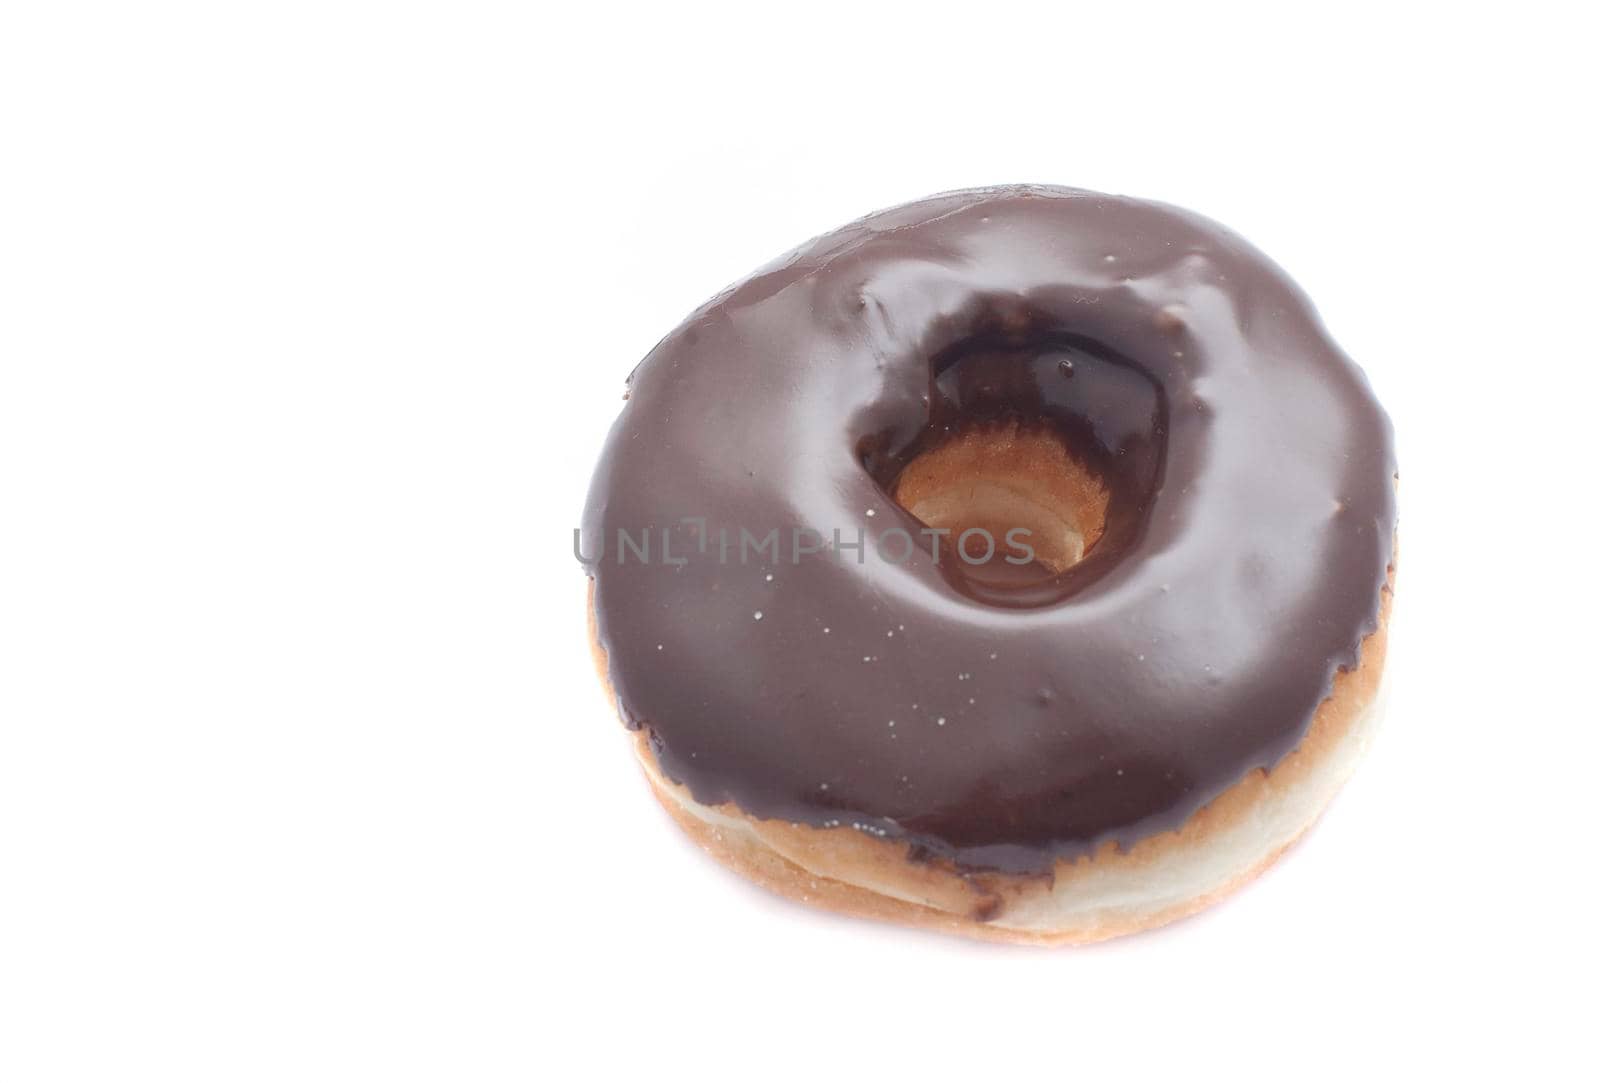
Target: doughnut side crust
[{"x": 1106, "y": 894}]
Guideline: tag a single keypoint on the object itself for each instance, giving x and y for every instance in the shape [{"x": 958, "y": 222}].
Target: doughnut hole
[
  {"x": 1025, "y": 428},
  {"x": 1002, "y": 478}
]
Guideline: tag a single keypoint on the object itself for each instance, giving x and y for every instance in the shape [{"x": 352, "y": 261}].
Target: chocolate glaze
[{"x": 1250, "y": 530}]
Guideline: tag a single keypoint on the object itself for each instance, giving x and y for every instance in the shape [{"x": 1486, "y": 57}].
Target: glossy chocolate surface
[{"x": 999, "y": 725}]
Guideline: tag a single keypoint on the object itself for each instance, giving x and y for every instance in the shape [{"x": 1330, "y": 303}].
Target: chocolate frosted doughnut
[{"x": 1179, "y": 643}]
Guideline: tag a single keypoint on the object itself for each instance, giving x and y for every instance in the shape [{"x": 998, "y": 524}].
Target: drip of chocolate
[{"x": 998, "y": 722}]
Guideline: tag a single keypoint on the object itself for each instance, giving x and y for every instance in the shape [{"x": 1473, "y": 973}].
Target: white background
[{"x": 312, "y": 321}]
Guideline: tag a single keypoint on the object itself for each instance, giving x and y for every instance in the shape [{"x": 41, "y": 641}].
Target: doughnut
[{"x": 1015, "y": 563}]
